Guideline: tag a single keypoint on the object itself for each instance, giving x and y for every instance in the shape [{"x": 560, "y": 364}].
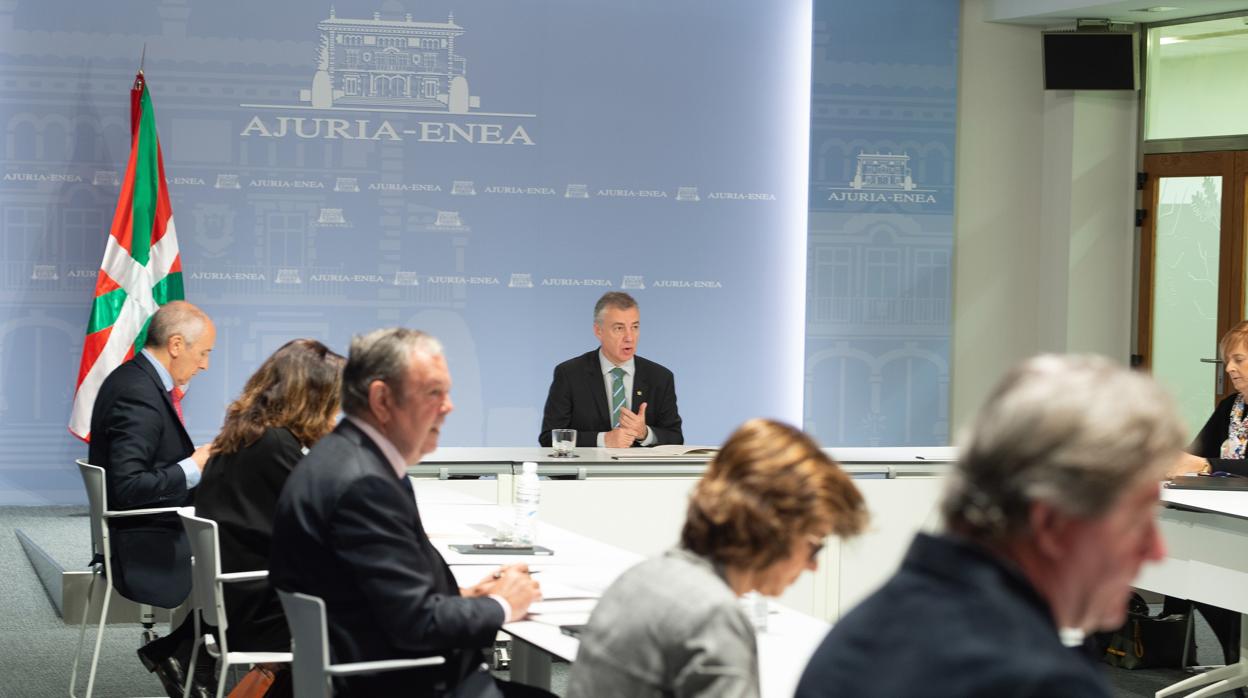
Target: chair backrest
[
  {"x": 306, "y": 617},
  {"x": 97, "y": 503},
  {"x": 206, "y": 552}
]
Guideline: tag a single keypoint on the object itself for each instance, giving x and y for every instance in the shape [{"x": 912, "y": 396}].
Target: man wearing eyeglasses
[{"x": 610, "y": 396}]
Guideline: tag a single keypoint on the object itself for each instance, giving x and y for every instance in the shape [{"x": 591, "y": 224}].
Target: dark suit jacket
[
  {"x": 954, "y": 621},
  {"x": 137, "y": 438},
  {"x": 347, "y": 530},
  {"x": 1208, "y": 443},
  {"x": 239, "y": 491},
  {"x": 578, "y": 400}
]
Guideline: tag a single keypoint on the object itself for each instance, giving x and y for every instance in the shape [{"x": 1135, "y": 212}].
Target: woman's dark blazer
[
  {"x": 239, "y": 491},
  {"x": 1208, "y": 443}
]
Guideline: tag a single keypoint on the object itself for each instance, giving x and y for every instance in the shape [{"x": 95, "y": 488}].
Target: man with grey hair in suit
[
  {"x": 1050, "y": 513},
  {"x": 348, "y": 530},
  {"x": 609, "y": 395},
  {"x": 140, "y": 440}
]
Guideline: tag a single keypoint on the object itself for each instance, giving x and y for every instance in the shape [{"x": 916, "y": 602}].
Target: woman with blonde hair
[
  {"x": 287, "y": 405},
  {"x": 672, "y": 625},
  {"x": 1221, "y": 446}
]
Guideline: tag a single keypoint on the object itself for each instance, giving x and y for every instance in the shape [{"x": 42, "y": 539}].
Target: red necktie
[{"x": 177, "y": 394}]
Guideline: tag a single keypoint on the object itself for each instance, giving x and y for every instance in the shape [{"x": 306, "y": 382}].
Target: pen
[{"x": 498, "y": 574}]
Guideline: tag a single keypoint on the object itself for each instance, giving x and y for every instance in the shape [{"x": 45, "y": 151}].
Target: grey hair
[
  {"x": 383, "y": 355},
  {"x": 1073, "y": 432},
  {"x": 175, "y": 318},
  {"x": 612, "y": 299}
]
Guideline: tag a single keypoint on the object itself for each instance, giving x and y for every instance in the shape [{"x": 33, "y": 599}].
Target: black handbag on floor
[{"x": 1144, "y": 641}]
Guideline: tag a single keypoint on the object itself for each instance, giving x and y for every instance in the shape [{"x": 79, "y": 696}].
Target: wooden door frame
[{"x": 1232, "y": 166}]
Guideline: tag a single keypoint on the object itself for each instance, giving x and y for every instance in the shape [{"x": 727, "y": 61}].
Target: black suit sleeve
[
  {"x": 374, "y": 536},
  {"x": 558, "y": 411},
  {"x": 135, "y": 480},
  {"x": 662, "y": 416}
]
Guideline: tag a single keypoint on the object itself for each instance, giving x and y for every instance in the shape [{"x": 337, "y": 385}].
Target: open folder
[
  {"x": 666, "y": 452},
  {"x": 1227, "y": 484}
]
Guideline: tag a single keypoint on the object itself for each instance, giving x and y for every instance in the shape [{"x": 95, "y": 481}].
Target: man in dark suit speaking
[
  {"x": 610, "y": 396},
  {"x": 347, "y": 529},
  {"x": 139, "y": 439}
]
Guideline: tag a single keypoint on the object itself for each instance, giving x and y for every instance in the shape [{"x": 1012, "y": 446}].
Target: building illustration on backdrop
[
  {"x": 882, "y": 171},
  {"x": 390, "y": 63}
]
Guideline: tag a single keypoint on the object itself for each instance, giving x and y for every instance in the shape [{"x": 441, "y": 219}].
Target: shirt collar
[
  {"x": 393, "y": 457},
  {"x": 606, "y": 364},
  {"x": 166, "y": 379}
]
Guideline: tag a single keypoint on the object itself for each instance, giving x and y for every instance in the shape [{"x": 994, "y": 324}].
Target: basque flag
[{"x": 142, "y": 268}]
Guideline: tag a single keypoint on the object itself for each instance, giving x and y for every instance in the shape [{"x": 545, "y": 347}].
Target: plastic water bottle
[{"x": 528, "y": 497}]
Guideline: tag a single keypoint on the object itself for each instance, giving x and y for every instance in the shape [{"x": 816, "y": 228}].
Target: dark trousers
[
  {"x": 1225, "y": 624},
  {"x": 177, "y": 643},
  {"x": 519, "y": 690}
]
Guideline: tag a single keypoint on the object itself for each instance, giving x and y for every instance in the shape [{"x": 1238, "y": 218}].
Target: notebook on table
[{"x": 1226, "y": 484}]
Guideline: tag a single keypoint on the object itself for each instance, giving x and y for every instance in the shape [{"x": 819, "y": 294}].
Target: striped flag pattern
[{"x": 142, "y": 268}]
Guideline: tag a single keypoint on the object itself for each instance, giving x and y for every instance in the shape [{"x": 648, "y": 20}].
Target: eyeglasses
[{"x": 816, "y": 546}]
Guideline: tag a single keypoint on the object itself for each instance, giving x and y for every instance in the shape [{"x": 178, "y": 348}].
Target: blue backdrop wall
[
  {"x": 881, "y": 222},
  {"x": 484, "y": 170}
]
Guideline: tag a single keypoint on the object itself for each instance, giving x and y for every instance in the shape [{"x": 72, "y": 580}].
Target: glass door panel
[{"x": 1186, "y": 291}]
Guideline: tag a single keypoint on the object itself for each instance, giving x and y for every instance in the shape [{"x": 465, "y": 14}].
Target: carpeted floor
[{"x": 37, "y": 648}]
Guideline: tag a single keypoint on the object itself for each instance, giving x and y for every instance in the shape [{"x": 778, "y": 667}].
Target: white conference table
[
  {"x": 460, "y": 461},
  {"x": 1206, "y": 535},
  {"x": 579, "y": 568}
]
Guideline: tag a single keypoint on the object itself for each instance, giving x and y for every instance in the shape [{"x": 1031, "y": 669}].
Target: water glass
[{"x": 564, "y": 440}]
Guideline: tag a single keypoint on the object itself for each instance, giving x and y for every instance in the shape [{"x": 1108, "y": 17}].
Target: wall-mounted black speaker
[{"x": 1091, "y": 61}]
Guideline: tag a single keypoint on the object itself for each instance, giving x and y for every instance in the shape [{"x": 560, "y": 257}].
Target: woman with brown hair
[
  {"x": 287, "y": 405},
  {"x": 672, "y": 625}
]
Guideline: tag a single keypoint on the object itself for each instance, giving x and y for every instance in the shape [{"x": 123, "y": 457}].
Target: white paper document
[
  {"x": 561, "y": 606},
  {"x": 558, "y": 619}
]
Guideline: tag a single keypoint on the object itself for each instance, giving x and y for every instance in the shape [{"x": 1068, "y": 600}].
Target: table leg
[
  {"x": 1220, "y": 680},
  {"x": 530, "y": 665}
]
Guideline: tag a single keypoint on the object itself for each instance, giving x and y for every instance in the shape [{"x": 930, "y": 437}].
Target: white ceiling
[{"x": 1060, "y": 12}]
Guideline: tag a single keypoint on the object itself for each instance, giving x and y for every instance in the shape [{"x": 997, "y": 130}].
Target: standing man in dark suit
[
  {"x": 138, "y": 437},
  {"x": 610, "y": 396},
  {"x": 348, "y": 530}
]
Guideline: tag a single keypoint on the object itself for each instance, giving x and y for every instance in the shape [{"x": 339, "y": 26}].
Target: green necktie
[{"x": 617, "y": 395}]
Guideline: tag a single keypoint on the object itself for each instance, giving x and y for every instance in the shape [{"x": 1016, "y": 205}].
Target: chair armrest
[
  {"x": 243, "y": 576},
  {"x": 382, "y": 665},
  {"x": 118, "y": 513}
]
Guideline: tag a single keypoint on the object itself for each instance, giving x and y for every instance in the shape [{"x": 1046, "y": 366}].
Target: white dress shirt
[
  {"x": 607, "y": 379},
  {"x": 393, "y": 457}
]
